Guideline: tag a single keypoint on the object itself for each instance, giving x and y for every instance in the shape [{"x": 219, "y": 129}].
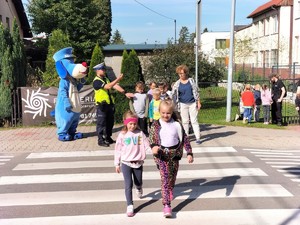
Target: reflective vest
[{"x": 102, "y": 94}]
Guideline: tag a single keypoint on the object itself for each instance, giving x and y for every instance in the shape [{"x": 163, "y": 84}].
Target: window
[
  {"x": 275, "y": 24},
  {"x": 261, "y": 28},
  {"x": 261, "y": 57},
  {"x": 256, "y": 58},
  {"x": 274, "y": 56},
  {"x": 267, "y": 26},
  {"x": 220, "y": 61},
  {"x": 7, "y": 23},
  {"x": 267, "y": 58},
  {"x": 220, "y": 43}
]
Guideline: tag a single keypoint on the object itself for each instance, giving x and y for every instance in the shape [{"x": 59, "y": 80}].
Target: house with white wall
[
  {"x": 296, "y": 33},
  {"x": 215, "y": 46},
  {"x": 269, "y": 39}
]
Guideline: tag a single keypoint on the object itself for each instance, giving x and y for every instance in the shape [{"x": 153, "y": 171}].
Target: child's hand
[
  {"x": 297, "y": 108},
  {"x": 118, "y": 169},
  {"x": 190, "y": 159},
  {"x": 155, "y": 150}
]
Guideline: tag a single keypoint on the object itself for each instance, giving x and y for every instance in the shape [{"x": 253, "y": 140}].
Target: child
[
  {"x": 257, "y": 98},
  {"x": 297, "y": 101},
  {"x": 152, "y": 86},
  {"x": 163, "y": 91},
  {"x": 130, "y": 153},
  {"x": 153, "y": 106},
  {"x": 266, "y": 99},
  {"x": 248, "y": 103},
  {"x": 139, "y": 104},
  {"x": 167, "y": 138}
]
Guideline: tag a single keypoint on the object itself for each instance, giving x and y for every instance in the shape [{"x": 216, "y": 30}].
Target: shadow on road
[{"x": 194, "y": 189}]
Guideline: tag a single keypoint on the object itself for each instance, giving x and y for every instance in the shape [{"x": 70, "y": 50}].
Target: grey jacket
[{"x": 175, "y": 92}]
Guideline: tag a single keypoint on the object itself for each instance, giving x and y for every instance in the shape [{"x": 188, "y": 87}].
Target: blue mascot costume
[{"x": 68, "y": 107}]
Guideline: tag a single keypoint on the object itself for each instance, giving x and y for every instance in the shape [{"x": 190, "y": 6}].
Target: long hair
[
  {"x": 169, "y": 104},
  {"x": 129, "y": 114}
]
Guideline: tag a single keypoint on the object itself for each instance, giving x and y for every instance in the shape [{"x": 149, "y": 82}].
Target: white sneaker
[
  {"x": 130, "y": 211},
  {"x": 139, "y": 192}
]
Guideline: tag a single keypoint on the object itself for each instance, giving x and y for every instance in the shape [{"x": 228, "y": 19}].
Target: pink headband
[{"x": 130, "y": 119}]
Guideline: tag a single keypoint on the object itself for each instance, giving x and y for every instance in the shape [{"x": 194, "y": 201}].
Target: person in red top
[{"x": 248, "y": 103}]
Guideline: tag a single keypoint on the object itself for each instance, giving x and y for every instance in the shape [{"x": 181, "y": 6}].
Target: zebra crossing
[
  {"x": 286, "y": 162},
  {"x": 222, "y": 186},
  {"x": 4, "y": 159}
]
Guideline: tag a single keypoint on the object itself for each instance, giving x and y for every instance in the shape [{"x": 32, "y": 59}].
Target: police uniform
[{"x": 105, "y": 109}]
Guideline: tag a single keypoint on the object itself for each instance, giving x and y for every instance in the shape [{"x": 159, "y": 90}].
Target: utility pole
[
  {"x": 230, "y": 65},
  {"x": 198, "y": 38}
]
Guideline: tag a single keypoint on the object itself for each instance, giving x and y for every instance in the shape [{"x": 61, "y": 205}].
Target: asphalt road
[{"x": 225, "y": 185}]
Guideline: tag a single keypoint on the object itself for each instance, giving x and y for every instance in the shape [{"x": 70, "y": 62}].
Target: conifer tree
[
  {"x": 6, "y": 85},
  {"x": 18, "y": 58},
  {"x": 57, "y": 41},
  {"x": 97, "y": 57}
]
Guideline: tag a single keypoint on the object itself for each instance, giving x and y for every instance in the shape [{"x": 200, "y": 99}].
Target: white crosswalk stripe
[
  {"x": 287, "y": 162},
  {"x": 222, "y": 186},
  {"x": 4, "y": 159}
]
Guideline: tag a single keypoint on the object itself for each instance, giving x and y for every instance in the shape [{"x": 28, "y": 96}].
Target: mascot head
[{"x": 64, "y": 62}]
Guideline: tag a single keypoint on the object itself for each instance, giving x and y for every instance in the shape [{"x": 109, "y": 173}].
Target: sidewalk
[{"x": 44, "y": 139}]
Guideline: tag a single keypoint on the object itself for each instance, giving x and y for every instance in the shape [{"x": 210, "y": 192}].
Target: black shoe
[
  {"x": 103, "y": 144},
  {"x": 279, "y": 124},
  {"x": 110, "y": 140}
]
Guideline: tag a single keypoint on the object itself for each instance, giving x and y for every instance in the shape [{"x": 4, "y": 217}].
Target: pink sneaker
[
  {"x": 167, "y": 211},
  {"x": 130, "y": 211}
]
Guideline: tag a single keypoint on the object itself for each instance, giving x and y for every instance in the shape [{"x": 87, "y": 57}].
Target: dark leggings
[{"x": 128, "y": 174}]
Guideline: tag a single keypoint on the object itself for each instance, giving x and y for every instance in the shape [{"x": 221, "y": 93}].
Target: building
[
  {"x": 296, "y": 34},
  {"x": 268, "y": 42},
  {"x": 215, "y": 46},
  {"x": 10, "y": 9}
]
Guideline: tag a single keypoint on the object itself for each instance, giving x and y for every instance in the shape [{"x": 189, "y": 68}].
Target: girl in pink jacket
[
  {"x": 130, "y": 153},
  {"x": 266, "y": 99}
]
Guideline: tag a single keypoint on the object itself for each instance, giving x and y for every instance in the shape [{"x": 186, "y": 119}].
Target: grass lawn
[{"x": 214, "y": 103}]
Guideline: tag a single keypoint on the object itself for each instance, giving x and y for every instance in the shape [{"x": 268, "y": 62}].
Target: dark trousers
[
  {"x": 128, "y": 174},
  {"x": 105, "y": 121},
  {"x": 276, "y": 111},
  {"x": 143, "y": 124}
]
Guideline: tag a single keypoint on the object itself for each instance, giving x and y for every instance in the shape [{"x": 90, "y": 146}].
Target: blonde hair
[
  {"x": 257, "y": 87},
  {"x": 156, "y": 91},
  {"x": 168, "y": 103},
  {"x": 128, "y": 114},
  {"x": 182, "y": 67},
  {"x": 247, "y": 87}
]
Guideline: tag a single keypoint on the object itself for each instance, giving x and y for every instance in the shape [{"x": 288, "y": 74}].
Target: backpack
[{"x": 258, "y": 101}]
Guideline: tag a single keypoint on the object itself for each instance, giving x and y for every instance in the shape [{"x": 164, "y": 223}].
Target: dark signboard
[{"x": 38, "y": 103}]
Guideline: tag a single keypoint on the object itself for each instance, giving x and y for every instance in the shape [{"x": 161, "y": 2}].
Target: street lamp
[
  {"x": 198, "y": 37},
  {"x": 230, "y": 65}
]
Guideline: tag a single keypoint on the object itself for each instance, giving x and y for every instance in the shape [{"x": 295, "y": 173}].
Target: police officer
[{"x": 105, "y": 104}]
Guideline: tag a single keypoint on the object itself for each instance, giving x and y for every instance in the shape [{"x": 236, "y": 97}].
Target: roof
[
  {"x": 23, "y": 18},
  {"x": 137, "y": 47},
  {"x": 269, "y": 6}
]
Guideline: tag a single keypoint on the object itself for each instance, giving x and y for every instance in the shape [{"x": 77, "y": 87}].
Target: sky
[{"x": 152, "y": 21}]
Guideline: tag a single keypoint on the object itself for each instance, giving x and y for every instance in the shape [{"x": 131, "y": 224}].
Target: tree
[
  {"x": 57, "y": 41},
  {"x": 86, "y": 22},
  {"x": 161, "y": 67},
  {"x": 6, "y": 85},
  {"x": 97, "y": 57},
  {"x": 117, "y": 38},
  {"x": 184, "y": 35},
  {"x": 205, "y": 30},
  {"x": 18, "y": 58},
  {"x": 130, "y": 69}
]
